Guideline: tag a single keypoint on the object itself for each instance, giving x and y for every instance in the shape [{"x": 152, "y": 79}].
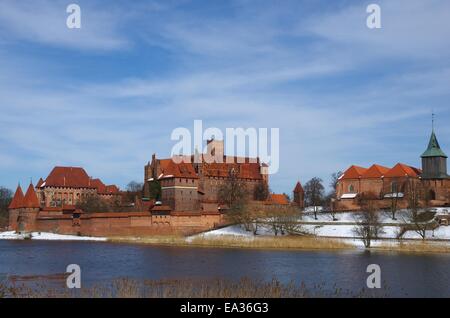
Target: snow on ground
[
  {"x": 341, "y": 232},
  {"x": 11, "y": 235},
  {"x": 349, "y": 217}
]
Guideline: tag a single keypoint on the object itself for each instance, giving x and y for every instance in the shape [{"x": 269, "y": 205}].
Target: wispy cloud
[{"x": 44, "y": 22}]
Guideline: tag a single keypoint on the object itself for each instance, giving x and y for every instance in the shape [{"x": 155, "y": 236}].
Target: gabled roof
[
  {"x": 298, "y": 188},
  {"x": 433, "y": 150},
  {"x": 75, "y": 177},
  {"x": 17, "y": 201},
  {"x": 354, "y": 172},
  {"x": 177, "y": 170},
  {"x": 31, "y": 200},
  {"x": 402, "y": 170},
  {"x": 375, "y": 171}
]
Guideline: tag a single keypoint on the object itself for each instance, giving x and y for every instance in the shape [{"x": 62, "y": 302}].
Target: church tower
[{"x": 434, "y": 160}]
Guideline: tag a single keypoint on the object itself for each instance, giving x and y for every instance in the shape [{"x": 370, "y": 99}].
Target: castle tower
[
  {"x": 215, "y": 148},
  {"x": 14, "y": 208},
  {"x": 434, "y": 160},
  {"x": 299, "y": 195},
  {"x": 30, "y": 210},
  {"x": 265, "y": 172}
]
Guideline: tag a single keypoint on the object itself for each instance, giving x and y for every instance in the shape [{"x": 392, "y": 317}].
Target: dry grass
[
  {"x": 229, "y": 241},
  {"x": 153, "y": 240},
  {"x": 185, "y": 288},
  {"x": 416, "y": 246},
  {"x": 269, "y": 242}
]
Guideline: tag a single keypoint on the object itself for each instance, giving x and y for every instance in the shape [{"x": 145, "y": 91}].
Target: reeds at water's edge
[{"x": 185, "y": 288}]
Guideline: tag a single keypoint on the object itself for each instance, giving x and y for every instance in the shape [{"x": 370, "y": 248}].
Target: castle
[
  {"x": 187, "y": 200},
  {"x": 388, "y": 184},
  {"x": 193, "y": 184}
]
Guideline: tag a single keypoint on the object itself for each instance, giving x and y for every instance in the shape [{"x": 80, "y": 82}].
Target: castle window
[
  {"x": 432, "y": 195},
  {"x": 394, "y": 187}
]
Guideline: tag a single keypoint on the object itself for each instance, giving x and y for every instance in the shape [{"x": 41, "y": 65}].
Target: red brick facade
[
  {"x": 194, "y": 186},
  {"x": 25, "y": 215},
  {"x": 69, "y": 185},
  {"x": 389, "y": 184}
]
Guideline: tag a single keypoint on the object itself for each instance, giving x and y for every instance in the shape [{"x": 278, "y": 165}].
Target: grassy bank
[{"x": 225, "y": 241}]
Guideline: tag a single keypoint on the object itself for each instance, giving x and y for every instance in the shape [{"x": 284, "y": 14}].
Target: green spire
[{"x": 433, "y": 150}]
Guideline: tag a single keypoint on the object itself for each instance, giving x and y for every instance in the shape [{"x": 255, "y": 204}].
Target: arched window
[
  {"x": 432, "y": 195},
  {"x": 394, "y": 187}
]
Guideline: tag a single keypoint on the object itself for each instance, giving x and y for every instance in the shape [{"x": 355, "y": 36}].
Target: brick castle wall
[{"x": 114, "y": 224}]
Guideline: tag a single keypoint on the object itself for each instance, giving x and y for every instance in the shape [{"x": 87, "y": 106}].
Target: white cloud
[{"x": 302, "y": 76}]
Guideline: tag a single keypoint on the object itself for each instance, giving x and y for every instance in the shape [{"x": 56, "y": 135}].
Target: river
[{"x": 405, "y": 275}]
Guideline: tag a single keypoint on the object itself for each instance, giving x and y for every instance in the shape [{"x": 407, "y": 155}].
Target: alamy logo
[
  {"x": 74, "y": 279},
  {"x": 240, "y": 143},
  {"x": 74, "y": 19},
  {"x": 374, "y": 19},
  {"x": 374, "y": 279}
]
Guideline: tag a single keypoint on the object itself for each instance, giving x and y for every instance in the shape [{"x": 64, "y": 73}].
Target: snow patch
[{"x": 44, "y": 236}]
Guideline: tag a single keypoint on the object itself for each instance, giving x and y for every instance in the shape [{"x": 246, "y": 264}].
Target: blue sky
[{"x": 107, "y": 96}]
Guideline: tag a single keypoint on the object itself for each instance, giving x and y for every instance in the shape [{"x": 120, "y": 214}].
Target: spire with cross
[{"x": 432, "y": 119}]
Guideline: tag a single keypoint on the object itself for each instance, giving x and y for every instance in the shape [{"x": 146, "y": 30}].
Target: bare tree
[
  {"x": 330, "y": 199},
  {"x": 134, "y": 190},
  {"x": 262, "y": 191},
  {"x": 135, "y": 186},
  {"x": 394, "y": 191},
  {"x": 253, "y": 217},
  {"x": 419, "y": 218},
  {"x": 94, "y": 203},
  {"x": 330, "y": 205},
  {"x": 290, "y": 222},
  {"x": 283, "y": 221},
  {"x": 314, "y": 192},
  {"x": 368, "y": 226},
  {"x": 5, "y": 199},
  {"x": 335, "y": 179},
  {"x": 233, "y": 192}
]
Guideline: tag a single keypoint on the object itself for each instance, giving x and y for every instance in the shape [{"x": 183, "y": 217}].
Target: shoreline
[
  {"x": 304, "y": 244},
  {"x": 263, "y": 242}
]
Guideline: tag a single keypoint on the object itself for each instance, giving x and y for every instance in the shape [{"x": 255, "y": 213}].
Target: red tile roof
[
  {"x": 402, "y": 170},
  {"x": 244, "y": 170},
  {"x": 17, "y": 201},
  {"x": 31, "y": 200},
  {"x": 354, "y": 172},
  {"x": 75, "y": 177},
  {"x": 177, "y": 170},
  {"x": 40, "y": 182},
  {"x": 243, "y": 166},
  {"x": 376, "y": 171},
  {"x": 278, "y": 199}
]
